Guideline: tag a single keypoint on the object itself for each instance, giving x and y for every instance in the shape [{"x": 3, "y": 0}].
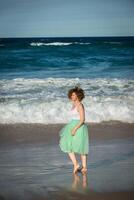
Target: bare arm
[{"x": 81, "y": 111}]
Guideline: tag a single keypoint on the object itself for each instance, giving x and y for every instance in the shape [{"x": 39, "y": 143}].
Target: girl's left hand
[{"x": 73, "y": 131}]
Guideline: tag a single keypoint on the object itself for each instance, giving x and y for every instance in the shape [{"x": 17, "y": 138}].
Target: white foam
[
  {"x": 45, "y": 100},
  {"x": 50, "y": 44},
  {"x": 57, "y": 43},
  {"x": 108, "y": 42},
  {"x": 83, "y": 43}
]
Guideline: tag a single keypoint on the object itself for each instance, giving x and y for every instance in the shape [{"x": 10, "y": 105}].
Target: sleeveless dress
[{"x": 79, "y": 143}]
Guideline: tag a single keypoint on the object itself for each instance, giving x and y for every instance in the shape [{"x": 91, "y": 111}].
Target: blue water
[
  {"x": 36, "y": 73},
  {"x": 67, "y": 57}
]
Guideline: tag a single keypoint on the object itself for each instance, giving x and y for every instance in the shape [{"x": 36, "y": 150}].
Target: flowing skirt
[{"x": 79, "y": 143}]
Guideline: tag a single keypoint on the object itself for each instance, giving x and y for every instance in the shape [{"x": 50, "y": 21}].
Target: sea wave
[
  {"x": 57, "y": 43},
  {"x": 108, "y": 42},
  {"x": 45, "y": 100}
]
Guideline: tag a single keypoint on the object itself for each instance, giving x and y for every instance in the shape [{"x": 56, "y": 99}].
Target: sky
[{"x": 66, "y": 18}]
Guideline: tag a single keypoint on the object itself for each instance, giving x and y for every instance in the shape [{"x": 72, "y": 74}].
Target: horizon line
[{"x": 65, "y": 37}]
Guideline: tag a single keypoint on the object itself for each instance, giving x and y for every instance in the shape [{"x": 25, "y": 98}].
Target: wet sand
[
  {"x": 30, "y": 133},
  {"x": 32, "y": 166}
]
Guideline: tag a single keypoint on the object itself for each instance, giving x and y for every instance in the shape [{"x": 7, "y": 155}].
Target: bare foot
[
  {"x": 84, "y": 170},
  {"x": 76, "y": 168}
]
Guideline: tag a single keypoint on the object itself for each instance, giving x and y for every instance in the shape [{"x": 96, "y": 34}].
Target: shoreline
[
  {"x": 49, "y": 133},
  {"x": 41, "y": 170}
]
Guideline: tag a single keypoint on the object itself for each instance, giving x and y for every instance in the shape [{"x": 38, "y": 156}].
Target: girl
[{"x": 74, "y": 136}]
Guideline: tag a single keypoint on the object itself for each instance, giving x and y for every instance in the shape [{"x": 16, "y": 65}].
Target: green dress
[{"x": 79, "y": 143}]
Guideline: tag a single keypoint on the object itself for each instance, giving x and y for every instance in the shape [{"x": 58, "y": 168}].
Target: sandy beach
[
  {"x": 33, "y": 166},
  {"x": 49, "y": 133}
]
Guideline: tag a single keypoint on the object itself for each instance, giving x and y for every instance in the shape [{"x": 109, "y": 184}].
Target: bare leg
[
  {"x": 84, "y": 162},
  {"x": 74, "y": 161}
]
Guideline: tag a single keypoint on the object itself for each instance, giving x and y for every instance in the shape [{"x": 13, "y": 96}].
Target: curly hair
[{"x": 78, "y": 91}]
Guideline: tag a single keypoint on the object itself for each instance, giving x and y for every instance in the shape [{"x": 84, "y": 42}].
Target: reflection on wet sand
[
  {"x": 80, "y": 182},
  {"x": 33, "y": 167}
]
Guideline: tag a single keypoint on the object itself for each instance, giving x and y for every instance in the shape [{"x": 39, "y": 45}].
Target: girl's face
[{"x": 74, "y": 97}]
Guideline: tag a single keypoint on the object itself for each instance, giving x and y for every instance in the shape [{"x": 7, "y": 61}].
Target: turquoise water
[
  {"x": 110, "y": 57},
  {"x": 36, "y": 74}
]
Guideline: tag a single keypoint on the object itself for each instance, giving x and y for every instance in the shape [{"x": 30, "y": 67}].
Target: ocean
[{"x": 36, "y": 74}]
